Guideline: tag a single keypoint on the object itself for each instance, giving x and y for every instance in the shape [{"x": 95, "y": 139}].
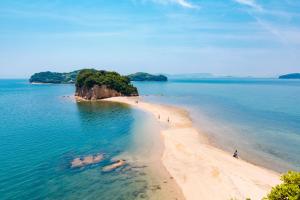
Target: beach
[{"x": 201, "y": 170}]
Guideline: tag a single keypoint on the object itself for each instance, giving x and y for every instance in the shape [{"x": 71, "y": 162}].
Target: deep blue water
[
  {"x": 259, "y": 117},
  {"x": 42, "y": 131}
]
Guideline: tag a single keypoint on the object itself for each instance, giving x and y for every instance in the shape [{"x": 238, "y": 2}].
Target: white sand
[{"x": 201, "y": 170}]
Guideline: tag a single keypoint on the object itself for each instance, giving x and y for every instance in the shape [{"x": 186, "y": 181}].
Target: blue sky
[{"x": 226, "y": 37}]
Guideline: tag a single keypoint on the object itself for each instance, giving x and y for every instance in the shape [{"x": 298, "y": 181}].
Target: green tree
[
  {"x": 288, "y": 190},
  {"x": 90, "y": 77}
]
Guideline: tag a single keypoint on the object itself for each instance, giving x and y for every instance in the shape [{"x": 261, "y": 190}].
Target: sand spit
[{"x": 201, "y": 170}]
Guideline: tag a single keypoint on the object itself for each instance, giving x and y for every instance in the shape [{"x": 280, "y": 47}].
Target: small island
[
  {"x": 54, "y": 77},
  {"x": 141, "y": 76},
  {"x": 290, "y": 76},
  {"x": 92, "y": 84}
]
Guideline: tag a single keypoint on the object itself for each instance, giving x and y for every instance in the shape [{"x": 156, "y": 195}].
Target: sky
[{"x": 224, "y": 37}]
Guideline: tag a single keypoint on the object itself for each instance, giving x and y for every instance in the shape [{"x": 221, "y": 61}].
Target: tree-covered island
[
  {"x": 94, "y": 84},
  {"x": 54, "y": 77},
  {"x": 290, "y": 76},
  {"x": 142, "y": 76}
]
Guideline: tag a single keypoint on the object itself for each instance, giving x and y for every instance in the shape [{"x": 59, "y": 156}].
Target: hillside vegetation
[
  {"x": 87, "y": 78},
  {"x": 54, "y": 77},
  {"x": 290, "y": 76},
  {"x": 288, "y": 190},
  {"x": 141, "y": 76}
]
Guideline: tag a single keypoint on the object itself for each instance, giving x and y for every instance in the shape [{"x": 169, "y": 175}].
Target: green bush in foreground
[{"x": 288, "y": 190}]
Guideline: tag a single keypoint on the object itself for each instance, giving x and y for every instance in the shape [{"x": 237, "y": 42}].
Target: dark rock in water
[
  {"x": 143, "y": 196},
  {"x": 155, "y": 187}
]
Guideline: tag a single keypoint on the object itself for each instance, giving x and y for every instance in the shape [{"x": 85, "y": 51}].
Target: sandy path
[{"x": 203, "y": 171}]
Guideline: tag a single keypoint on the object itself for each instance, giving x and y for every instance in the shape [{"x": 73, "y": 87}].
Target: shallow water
[
  {"x": 259, "y": 117},
  {"x": 42, "y": 130}
]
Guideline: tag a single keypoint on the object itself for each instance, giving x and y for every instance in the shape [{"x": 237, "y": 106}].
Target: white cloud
[
  {"x": 183, "y": 3},
  {"x": 287, "y": 35},
  {"x": 250, "y": 3}
]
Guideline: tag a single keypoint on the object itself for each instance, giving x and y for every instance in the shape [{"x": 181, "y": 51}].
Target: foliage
[
  {"x": 90, "y": 77},
  {"x": 141, "y": 76},
  {"x": 288, "y": 190},
  {"x": 54, "y": 77}
]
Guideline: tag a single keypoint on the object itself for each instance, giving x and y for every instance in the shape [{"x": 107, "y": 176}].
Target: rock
[
  {"x": 114, "y": 166},
  {"x": 98, "y": 158},
  {"x": 77, "y": 162},
  {"x": 88, "y": 160},
  {"x": 143, "y": 196},
  {"x": 155, "y": 187},
  {"x": 96, "y": 92}
]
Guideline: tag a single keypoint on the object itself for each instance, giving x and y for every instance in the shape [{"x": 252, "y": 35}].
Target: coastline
[{"x": 201, "y": 170}]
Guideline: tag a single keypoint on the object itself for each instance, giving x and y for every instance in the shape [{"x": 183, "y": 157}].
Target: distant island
[
  {"x": 141, "y": 76},
  {"x": 290, "y": 76},
  {"x": 54, "y": 77},
  {"x": 70, "y": 77},
  {"x": 93, "y": 84}
]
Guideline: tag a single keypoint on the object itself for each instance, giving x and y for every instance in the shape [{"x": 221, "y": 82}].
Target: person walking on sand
[
  {"x": 158, "y": 116},
  {"x": 235, "y": 154},
  {"x": 168, "y": 119}
]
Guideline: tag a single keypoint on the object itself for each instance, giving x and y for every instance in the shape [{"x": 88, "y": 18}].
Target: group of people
[
  {"x": 235, "y": 154},
  {"x": 168, "y": 120}
]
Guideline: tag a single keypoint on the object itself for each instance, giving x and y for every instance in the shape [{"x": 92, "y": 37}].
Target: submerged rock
[
  {"x": 155, "y": 187},
  {"x": 88, "y": 160},
  {"x": 114, "y": 166}
]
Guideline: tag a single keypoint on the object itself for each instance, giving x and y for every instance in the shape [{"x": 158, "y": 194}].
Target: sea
[{"x": 42, "y": 129}]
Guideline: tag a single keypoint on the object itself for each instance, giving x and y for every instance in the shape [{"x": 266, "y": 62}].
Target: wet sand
[{"x": 201, "y": 170}]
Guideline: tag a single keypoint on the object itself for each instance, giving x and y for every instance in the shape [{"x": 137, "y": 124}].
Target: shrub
[{"x": 288, "y": 190}]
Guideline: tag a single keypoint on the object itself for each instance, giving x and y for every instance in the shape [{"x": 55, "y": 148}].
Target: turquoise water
[
  {"x": 42, "y": 131},
  {"x": 259, "y": 117}
]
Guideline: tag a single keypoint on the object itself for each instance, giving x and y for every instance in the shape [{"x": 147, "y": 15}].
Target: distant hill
[
  {"x": 54, "y": 77},
  {"x": 290, "y": 76},
  {"x": 190, "y": 76},
  {"x": 141, "y": 76},
  {"x": 70, "y": 77}
]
